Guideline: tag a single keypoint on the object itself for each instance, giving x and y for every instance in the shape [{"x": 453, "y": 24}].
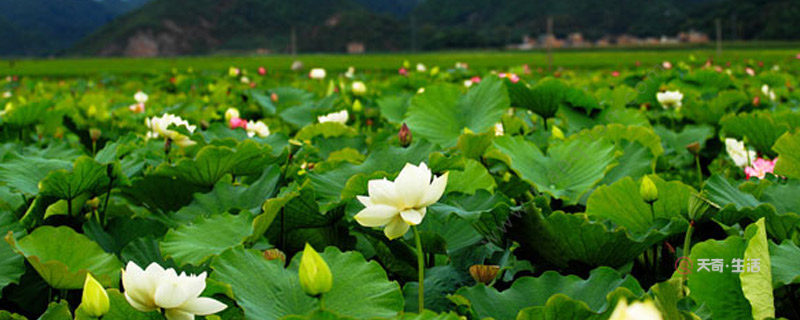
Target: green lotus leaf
[
  {"x": 148, "y": 191},
  {"x": 62, "y": 257},
  {"x": 266, "y": 290},
  {"x": 393, "y": 107},
  {"x": 87, "y": 175},
  {"x": 622, "y": 203},
  {"x": 206, "y": 237},
  {"x": 675, "y": 143},
  {"x": 757, "y": 286},
  {"x": 226, "y": 196},
  {"x": 326, "y": 130},
  {"x": 710, "y": 112},
  {"x": 543, "y": 99},
  {"x": 23, "y": 173},
  {"x": 785, "y": 269},
  {"x": 440, "y": 114},
  {"x": 12, "y": 265},
  {"x": 788, "y": 149},
  {"x": 760, "y": 129},
  {"x": 474, "y": 177},
  {"x": 27, "y": 114},
  {"x": 724, "y": 298},
  {"x": 57, "y": 311},
  {"x": 213, "y": 162},
  {"x": 561, "y": 238},
  {"x": 568, "y": 292},
  {"x": 562, "y": 173},
  {"x": 721, "y": 192},
  {"x": 330, "y": 184}
]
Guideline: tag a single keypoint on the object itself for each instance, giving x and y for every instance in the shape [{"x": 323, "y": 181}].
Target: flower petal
[
  {"x": 364, "y": 200},
  {"x": 376, "y": 215},
  {"x": 382, "y": 191},
  {"x": 193, "y": 285},
  {"x": 396, "y": 228},
  {"x": 413, "y": 217},
  {"x": 170, "y": 294},
  {"x": 139, "y": 285},
  {"x": 138, "y": 305},
  {"x": 434, "y": 191},
  {"x": 411, "y": 184},
  {"x": 203, "y": 306},
  {"x": 176, "y": 314}
]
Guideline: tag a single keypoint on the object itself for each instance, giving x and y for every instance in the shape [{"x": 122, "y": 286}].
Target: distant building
[
  {"x": 355, "y": 47},
  {"x": 693, "y": 37},
  {"x": 575, "y": 39}
]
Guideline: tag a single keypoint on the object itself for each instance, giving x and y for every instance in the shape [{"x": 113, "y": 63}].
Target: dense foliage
[{"x": 521, "y": 194}]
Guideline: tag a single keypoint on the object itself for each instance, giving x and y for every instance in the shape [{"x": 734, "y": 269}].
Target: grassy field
[{"x": 577, "y": 59}]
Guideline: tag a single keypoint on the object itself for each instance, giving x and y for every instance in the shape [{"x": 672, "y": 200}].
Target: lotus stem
[
  {"x": 687, "y": 247},
  {"x": 421, "y": 271},
  {"x": 699, "y": 171}
]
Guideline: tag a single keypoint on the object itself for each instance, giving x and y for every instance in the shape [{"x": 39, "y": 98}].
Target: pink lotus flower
[
  {"x": 750, "y": 71},
  {"x": 797, "y": 56},
  {"x": 475, "y": 79},
  {"x": 237, "y": 123},
  {"x": 666, "y": 65},
  {"x": 513, "y": 77},
  {"x": 615, "y": 74},
  {"x": 262, "y": 71},
  {"x": 760, "y": 167},
  {"x": 402, "y": 71},
  {"x": 136, "y": 107},
  {"x": 526, "y": 69}
]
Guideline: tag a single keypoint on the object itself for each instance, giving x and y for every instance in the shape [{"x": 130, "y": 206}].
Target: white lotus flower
[
  {"x": 317, "y": 74},
  {"x": 178, "y": 295},
  {"x": 468, "y": 83},
  {"x": 421, "y": 67},
  {"x": 401, "y": 203},
  {"x": 359, "y": 88},
  {"x": 140, "y": 97},
  {"x": 159, "y": 126},
  {"x": 765, "y": 89},
  {"x": 244, "y": 80},
  {"x": 498, "y": 129},
  {"x": 7, "y": 94},
  {"x": 636, "y": 311},
  {"x": 670, "y": 99},
  {"x": 738, "y": 153},
  {"x": 257, "y": 128},
  {"x": 351, "y": 72},
  {"x": 340, "y": 117}
]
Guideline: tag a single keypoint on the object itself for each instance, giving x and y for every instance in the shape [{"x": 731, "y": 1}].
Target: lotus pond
[{"x": 667, "y": 191}]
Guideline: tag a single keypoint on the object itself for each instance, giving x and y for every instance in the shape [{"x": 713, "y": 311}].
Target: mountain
[
  {"x": 171, "y": 27},
  {"x": 186, "y": 27},
  {"x": 42, "y": 27}
]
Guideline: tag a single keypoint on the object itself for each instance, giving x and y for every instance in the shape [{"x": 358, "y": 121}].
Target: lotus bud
[
  {"x": 273, "y": 254},
  {"x": 697, "y": 207},
  {"x": 94, "y": 133},
  {"x": 95, "y": 299},
  {"x": 273, "y": 97},
  {"x": 694, "y": 148},
  {"x": 635, "y": 311},
  {"x": 357, "y": 107},
  {"x": 93, "y": 203},
  {"x": 648, "y": 190},
  {"x": 315, "y": 276},
  {"x": 483, "y": 273},
  {"x": 557, "y": 133},
  {"x": 404, "y": 135},
  {"x": 231, "y": 113}
]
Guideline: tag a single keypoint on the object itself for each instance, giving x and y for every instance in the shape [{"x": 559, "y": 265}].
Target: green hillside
[{"x": 181, "y": 27}]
